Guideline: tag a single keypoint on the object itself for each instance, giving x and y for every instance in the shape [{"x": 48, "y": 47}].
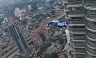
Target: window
[
  {"x": 77, "y": 18},
  {"x": 77, "y": 26},
  {"x": 91, "y": 12},
  {"x": 75, "y": 8},
  {"x": 91, "y": 22},
  {"x": 92, "y": 33},
  {"x": 78, "y": 34}
]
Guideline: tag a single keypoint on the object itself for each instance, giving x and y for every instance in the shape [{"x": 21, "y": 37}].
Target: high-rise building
[
  {"x": 90, "y": 17},
  {"x": 75, "y": 15},
  {"x": 19, "y": 39},
  {"x": 81, "y": 15}
]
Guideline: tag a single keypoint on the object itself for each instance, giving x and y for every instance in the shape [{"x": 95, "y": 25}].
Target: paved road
[
  {"x": 10, "y": 51},
  {"x": 13, "y": 54}
]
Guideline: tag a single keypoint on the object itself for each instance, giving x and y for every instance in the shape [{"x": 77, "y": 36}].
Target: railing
[
  {"x": 79, "y": 37},
  {"x": 79, "y": 44},
  {"x": 76, "y": 14},
  {"x": 91, "y": 16},
  {"x": 91, "y": 26},
  {"x": 74, "y": 0},
  {"x": 90, "y": 56},
  {"x": 77, "y": 22},
  {"x": 80, "y": 56},
  {"x": 91, "y": 43},
  {"x": 91, "y": 35},
  {"x": 77, "y": 29},
  {"x": 92, "y": 51},
  {"x": 81, "y": 50},
  {"x": 91, "y": 4},
  {"x": 75, "y": 3}
]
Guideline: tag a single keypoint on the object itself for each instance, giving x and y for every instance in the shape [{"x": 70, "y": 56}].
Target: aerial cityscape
[{"x": 47, "y": 28}]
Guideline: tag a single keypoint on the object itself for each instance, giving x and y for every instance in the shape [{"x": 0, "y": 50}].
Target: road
[
  {"x": 13, "y": 54},
  {"x": 10, "y": 51}
]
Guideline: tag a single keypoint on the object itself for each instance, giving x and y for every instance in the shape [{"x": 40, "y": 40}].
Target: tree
[
  {"x": 51, "y": 55},
  {"x": 53, "y": 12},
  {"x": 43, "y": 48}
]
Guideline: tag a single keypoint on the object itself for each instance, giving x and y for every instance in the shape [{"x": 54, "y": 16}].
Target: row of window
[
  {"x": 77, "y": 26},
  {"x": 77, "y": 35},
  {"x": 90, "y": 0},
  {"x": 93, "y": 12},
  {"x": 91, "y": 22},
  {"x": 75, "y": 8},
  {"x": 91, "y": 33},
  {"x": 92, "y": 51}
]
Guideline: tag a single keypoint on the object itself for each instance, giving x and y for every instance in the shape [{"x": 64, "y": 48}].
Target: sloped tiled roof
[
  {"x": 36, "y": 37},
  {"x": 43, "y": 31},
  {"x": 34, "y": 28}
]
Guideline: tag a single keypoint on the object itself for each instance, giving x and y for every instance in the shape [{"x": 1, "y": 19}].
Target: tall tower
[
  {"x": 75, "y": 14},
  {"x": 90, "y": 16},
  {"x": 19, "y": 40}
]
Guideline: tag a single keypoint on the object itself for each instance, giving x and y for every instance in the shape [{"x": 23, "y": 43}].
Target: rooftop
[
  {"x": 43, "y": 31},
  {"x": 35, "y": 36}
]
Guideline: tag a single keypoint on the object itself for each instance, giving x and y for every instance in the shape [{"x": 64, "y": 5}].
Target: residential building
[
  {"x": 81, "y": 15},
  {"x": 90, "y": 16},
  {"x": 75, "y": 14}
]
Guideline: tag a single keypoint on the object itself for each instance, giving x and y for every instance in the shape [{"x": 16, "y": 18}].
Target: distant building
[
  {"x": 47, "y": 5},
  {"x": 41, "y": 10}
]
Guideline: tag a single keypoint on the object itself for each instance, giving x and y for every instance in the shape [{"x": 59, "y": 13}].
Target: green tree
[
  {"x": 53, "y": 12},
  {"x": 43, "y": 48}
]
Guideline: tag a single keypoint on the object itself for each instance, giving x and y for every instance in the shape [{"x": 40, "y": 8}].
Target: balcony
[
  {"x": 91, "y": 43},
  {"x": 76, "y": 14},
  {"x": 90, "y": 5},
  {"x": 77, "y": 23},
  {"x": 91, "y": 35},
  {"x": 74, "y": 4},
  {"x": 79, "y": 37},
  {"x": 89, "y": 55},
  {"x": 91, "y": 17},
  {"x": 92, "y": 27},
  {"x": 90, "y": 50},
  {"x": 80, "y": 55},
  {"x": 78, "y": 44},
  {"x": 77, "y": 30},
  {"x": 74, "y": 0},
  {"x": 81, "y": 50}
]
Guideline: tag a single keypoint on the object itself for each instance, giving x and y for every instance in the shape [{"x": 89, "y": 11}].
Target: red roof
[
  {"x": 34, "y": 28},
  {"x": 35, "y": 36},
  {"x": 14, "y": 20},
  {"x": 43, "y": 31}
]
